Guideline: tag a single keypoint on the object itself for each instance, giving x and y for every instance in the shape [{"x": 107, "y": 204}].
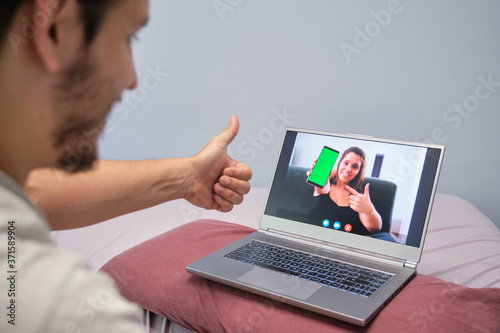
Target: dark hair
[
  {"x": 93, "y": 12},
  {"x": 357, "y": 182}
]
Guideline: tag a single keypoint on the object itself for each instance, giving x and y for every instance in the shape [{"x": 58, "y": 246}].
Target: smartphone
[{"x": 323, "y": 167}]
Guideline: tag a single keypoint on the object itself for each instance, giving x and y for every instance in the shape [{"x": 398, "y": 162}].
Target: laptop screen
[{"x": 359, "y": 186}]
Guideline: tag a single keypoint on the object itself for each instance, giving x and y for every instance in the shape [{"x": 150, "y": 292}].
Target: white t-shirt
[{"x": 44, "y": 288}]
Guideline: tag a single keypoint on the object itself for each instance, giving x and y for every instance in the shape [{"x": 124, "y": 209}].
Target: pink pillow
[{"x": 153, "y": 275}]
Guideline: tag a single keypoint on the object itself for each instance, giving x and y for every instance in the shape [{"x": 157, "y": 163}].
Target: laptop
[{"x": 310, "y": 253}]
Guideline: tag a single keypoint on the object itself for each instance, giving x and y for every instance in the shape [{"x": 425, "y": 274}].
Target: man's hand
[{"x": 219, "y": 182}]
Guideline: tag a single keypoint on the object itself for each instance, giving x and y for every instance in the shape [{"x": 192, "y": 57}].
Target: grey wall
[{"x": 411, "y": 70}]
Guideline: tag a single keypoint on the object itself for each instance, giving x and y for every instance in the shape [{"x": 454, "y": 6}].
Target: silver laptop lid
[{"x": 402, "y": 176}]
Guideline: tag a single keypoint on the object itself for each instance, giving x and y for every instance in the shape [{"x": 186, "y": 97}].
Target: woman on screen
[{"x": 343, "y": 202}]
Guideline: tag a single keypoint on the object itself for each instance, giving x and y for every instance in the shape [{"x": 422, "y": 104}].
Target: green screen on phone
[{"x": 324, "y": 165}]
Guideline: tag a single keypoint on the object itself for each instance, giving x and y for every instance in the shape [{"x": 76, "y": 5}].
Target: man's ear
[{"x": 47, "y": 20}]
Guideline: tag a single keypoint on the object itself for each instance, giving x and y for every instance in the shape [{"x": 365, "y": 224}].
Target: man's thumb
[{"x": 231, "y": 130}]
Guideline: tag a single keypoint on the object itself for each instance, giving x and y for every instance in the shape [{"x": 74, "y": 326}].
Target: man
[{"x": 63, "y": 63}]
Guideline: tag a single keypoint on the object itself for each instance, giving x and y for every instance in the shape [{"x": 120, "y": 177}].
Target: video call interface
[{"x": 309, "y": 185}]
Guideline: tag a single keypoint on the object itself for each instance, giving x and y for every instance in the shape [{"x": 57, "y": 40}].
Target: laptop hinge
[{"x": 410, "y": 264}]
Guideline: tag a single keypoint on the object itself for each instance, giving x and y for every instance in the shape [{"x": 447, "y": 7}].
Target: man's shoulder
[
  {"x": 53, "y": 289},
  {"x": 16, "y": 208}
]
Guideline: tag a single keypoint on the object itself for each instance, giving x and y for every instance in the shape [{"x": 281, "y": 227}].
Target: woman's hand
[
  {"x": 361, "y": 203},
  {"x": 318, "y": 190}
]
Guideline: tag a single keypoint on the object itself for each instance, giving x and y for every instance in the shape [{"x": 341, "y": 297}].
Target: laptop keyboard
[{"x": 328, "y": 272}]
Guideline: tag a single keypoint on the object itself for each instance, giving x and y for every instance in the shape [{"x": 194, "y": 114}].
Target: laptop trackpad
[{"x": 280, "y": 283}]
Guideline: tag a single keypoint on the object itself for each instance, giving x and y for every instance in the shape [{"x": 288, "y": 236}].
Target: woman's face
[{"x": 349, "y": 167}]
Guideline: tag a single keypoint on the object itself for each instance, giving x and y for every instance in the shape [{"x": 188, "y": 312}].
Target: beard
[{"x": 81, "y": 102}]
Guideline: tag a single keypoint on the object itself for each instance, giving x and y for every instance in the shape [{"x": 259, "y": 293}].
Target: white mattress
[{"x": 462, "y": 244}]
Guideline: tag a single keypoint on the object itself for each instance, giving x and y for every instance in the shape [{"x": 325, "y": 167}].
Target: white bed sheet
[{"x": 462, "y": 244}]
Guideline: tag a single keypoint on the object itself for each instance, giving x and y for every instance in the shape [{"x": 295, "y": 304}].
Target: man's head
[{"x": 73, "y": 60}]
